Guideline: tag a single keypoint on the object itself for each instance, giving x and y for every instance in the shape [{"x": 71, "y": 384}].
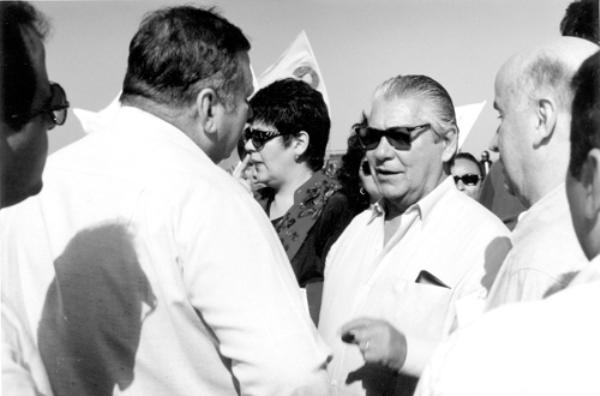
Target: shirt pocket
[{"x": 422, "y": 309}]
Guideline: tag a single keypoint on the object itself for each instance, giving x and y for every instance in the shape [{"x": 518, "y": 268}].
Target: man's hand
[{"x": 378, "y": 341}]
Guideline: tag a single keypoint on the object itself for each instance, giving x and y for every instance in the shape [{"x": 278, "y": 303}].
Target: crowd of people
[{"x": 143, "y": 268}]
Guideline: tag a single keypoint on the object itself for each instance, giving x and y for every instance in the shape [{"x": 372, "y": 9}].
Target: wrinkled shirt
[
  {"x": 147, "y": 270},
  {"x": 547, "y": 347},
  {"x": 545, "y": 254},
  {"x": 447, "y": 235}
]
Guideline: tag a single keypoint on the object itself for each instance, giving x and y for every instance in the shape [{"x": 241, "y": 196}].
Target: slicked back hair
[
  {"x": 179, "y": 51},
  {"x": 585, "y": 119},
  {"x": 292, "y": 106},
  {"x": 408, "y": 85},
  {"x": 17, "y": 72}
]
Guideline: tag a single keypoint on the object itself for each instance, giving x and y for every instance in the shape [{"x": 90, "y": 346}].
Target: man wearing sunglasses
[
  {"x": 396, "y": 283},
  {"x": 533, "y": 98},
  {"x": 29, "y": 106}
]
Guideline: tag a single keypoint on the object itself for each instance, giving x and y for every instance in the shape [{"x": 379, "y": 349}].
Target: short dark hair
[
  {"x": 179, "y": 51},
  {"x": 469, "y": 157},
  {"x": 17, "y": 72},
  {"x": 581, "y": 20},
  {"x": 585, "y": 118},
  {"x": 292, "y": 106}
]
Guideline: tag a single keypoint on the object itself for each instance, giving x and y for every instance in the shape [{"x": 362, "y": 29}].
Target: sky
[{"x": 358, "y": 44}]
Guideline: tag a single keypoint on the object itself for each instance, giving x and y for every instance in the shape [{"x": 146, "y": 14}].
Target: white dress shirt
[
  {"x": 447, "y": 234},
  {"x": 545, "y": 254},
  {"x": 548, "y": 347},
  {"x": 148, "y": 270}
]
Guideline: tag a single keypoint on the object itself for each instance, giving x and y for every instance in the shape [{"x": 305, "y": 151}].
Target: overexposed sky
[{"x": 358, "y": 44}]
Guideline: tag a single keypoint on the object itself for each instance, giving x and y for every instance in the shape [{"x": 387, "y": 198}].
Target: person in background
[
  {"x": 30, "y": 105},
  {"x": 396, "y": 280},
  {"x": 355, "y": 175},
  {"x": 467, "y": 173},
  {"x": 533, "y": 98},
  {"x": 138, "y": 277},
  {"x": 286, "y": 142},
  {"x": 548, "y": 347}
]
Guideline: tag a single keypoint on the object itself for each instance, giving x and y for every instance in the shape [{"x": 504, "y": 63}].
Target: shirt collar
[
  {"x": 424, "y": 206},
  {"x": 549, "y": 200},
  {"x": 149, "y": 127}
]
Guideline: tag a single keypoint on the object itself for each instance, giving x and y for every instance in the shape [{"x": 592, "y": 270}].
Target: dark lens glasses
[
  {"x": 468, "y": 179},
  {"x": 259, "y": 137},
  {"x": 399, "y": 137},
  {"x": 56, "y": 107}
]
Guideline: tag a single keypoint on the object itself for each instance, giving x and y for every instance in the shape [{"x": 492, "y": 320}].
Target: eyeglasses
[
  {"x": 468, "y": 179},
  {"x": 56, "y": 108},
  {"x": 399, "y": 137},
  {"x": 259, "y": 137}
]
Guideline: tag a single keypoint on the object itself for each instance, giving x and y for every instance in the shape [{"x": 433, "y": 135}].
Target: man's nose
[
  {"x": 384, "y": 150},
  {"x": 248, "y": 146}
]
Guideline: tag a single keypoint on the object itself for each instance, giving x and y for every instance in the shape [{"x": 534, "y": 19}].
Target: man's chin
[{"x": 14, "y": 196}]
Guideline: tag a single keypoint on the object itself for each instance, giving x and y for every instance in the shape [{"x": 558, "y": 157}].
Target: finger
[
  {"x": 237, "y": 172},
  {"x": 356, "y": 324}
]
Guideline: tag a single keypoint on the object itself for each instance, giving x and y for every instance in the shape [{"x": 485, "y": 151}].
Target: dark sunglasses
[
  {"x": 56, "y": 108},
  {"x": 468, "y": 179},
  {"x": 399, "y": 137},
  {"x": 259, "y": 137}
]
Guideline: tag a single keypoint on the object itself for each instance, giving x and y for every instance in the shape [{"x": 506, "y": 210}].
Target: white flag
[
  {"x": 92, "y": 121},
  {"x": 466, "y": 116},
  {"x": 297, "y": 61}
]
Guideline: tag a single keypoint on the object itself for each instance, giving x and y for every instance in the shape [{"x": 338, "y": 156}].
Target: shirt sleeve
[
  {"x": 525, "y": 284},
  {"x": 19, "y": 361},
  {"x": 239, "y": 280}
]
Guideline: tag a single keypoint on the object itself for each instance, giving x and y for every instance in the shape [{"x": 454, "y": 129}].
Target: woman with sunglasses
[
  {"x": 467, "y": 174},
  {"x": 285, "y": 141},
  {"x": 355, "y": 175}
]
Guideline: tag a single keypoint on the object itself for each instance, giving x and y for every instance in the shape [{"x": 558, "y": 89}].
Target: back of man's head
[
  {"x": 179, "y": 51},
  {"x": 581, "y": 20},
  {"x": 17, "y": 72},
  {"x": 548, "y": 69},
  {"x": 585, "y": 120}
]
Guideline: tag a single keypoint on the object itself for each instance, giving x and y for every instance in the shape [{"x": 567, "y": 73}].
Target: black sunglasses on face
[
  {"x": 399, "y": 137},
  {"x": 259, "y": 137},
  {"x": 56, "y": 108},
  {"x": 469, "y": 179}
]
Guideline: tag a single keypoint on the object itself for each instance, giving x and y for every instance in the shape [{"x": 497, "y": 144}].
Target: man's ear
[
  {"x": 546, "y": 114},
  {"x": 300, "y": 144},
  {"x": 450, "y": 144},
  {"x": 205, "y": 107},
  {"x": 590, "y": 178}
]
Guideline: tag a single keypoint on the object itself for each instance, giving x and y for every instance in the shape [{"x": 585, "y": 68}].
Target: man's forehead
[{"x": 403, "y": 111}]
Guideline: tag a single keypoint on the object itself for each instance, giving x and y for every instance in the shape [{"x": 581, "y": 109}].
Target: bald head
[
  {"x": 545, "y": 70},
  {"x": 533, "y": 95}
]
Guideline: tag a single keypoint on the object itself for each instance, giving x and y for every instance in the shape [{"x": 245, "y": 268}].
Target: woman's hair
[
  {"x": 292, "y": 106},
  {"x": 347, "y": 174}
]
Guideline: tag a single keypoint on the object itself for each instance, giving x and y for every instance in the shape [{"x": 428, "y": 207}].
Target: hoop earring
[{"x": 362, "y": 191}]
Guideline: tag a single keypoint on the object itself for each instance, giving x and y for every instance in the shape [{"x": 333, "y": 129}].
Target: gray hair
[{"x": 426, "y": 87}]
